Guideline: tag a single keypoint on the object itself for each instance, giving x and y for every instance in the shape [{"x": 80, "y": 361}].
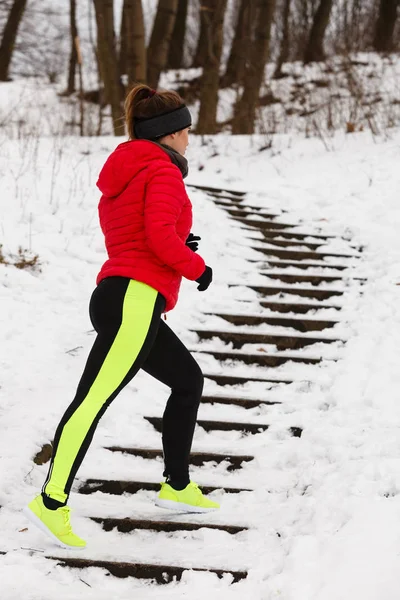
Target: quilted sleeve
[{"x": 165, "y": 195}]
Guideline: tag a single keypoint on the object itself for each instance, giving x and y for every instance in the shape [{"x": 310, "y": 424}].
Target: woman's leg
[
  {"x": 126, "y": 315},
  {"x": 170, "y": 362}
]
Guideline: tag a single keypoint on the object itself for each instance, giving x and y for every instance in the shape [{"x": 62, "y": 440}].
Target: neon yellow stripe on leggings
[{"x": 137, "y": 313}]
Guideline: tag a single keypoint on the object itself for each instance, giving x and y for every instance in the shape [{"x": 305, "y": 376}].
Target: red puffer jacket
[{"x": 146, "y": 216}]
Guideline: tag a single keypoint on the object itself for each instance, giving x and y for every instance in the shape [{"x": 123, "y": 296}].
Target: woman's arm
[{"x": 165, "y": 195}]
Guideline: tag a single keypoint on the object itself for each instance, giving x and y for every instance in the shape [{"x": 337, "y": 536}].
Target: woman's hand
[
  {"x": 192, "y": 242},
  {"x": 205, "y": 279}
]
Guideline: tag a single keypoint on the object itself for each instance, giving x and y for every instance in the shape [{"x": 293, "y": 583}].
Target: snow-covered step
[
  {"x": 298, "y": 264},
  {"x": 235, "y": 401},
  {"x": 252, "y": 428},
  {"x": 196, "y": 458},
  {"x": 297, "y": 244},
  {"x": 233, "y": 201},
  {"x": 304, "y": 292},
  {"x": 264, "y": 360},
  {"x": 242, "y": 212},
  {"x": 126, "y": 525},
  {"x": 302, "y": 325},
  {"x": 282, "y": 342},
  {"x": 116, "y": 487},
  {"x": 245, "y": 207},
  {"x": 293, "y": 235},
  {"x": 313, "y": 278},
  {"x": 296, "y": 307},
  {"x": 265, "y": 223},
  {"x": 214, "y": 191},
  {"x": 301, "y": 254},
  {"x": 159, "y": 573},
  {"x": 242, "y": 379}
]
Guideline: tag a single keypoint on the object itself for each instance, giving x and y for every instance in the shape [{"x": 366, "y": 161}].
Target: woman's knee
[
  {"x": 198, "y": 381},
  {"x": 192, "y": 381}
]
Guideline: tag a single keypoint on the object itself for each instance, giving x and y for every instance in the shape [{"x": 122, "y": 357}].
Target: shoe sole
[
  {"x": 30, "y": 515},
  {"x": 181, "y": 507}
]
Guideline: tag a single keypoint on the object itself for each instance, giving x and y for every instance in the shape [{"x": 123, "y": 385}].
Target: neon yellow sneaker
[
  {"x": 190, "y": 499},
  {"x": 55, "y": 523}
]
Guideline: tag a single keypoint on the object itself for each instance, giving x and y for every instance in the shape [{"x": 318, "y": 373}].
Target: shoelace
[
  {"x": 196, "y": 487},
  {"x": 65, "y": 511}
]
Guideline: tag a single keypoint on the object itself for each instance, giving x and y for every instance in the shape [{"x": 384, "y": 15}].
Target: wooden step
[
  {"x": 233, "y": 201},
  {"x": 300, "y": 254},
  {"x": 215, "y": 190},
  {"x": 240, "y": 380},
  {"x": 253, "y": 428},
  {"x": 243, "y": 402},
  {"x": 311, "y": 278},
  {"x": 241, "y": 212},
  {"x": 302, "y": 325},
  {"x": 255, "y": 210},
  {"x": 196, "y": 458},
  {"x": 266, "y": 224},
  {"x": 290, "y": 243},
  {"x": 284, "y": 307},
  {"x": 119, "y": 487},
  {"x": 293, "y": 235},
  {"x": 159, "y": 573},
  {"x": 262, "y": 359},
  {"x": 298, "y": 264},
  {"x": 282, "y": 342},
  {"x": 127, "y": 525},
  {"x": 319, "y": 294}
]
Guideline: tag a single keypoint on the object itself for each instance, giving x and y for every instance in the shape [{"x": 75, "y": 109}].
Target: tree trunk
[
  {"x": 108, "y": 60},
  {"x": 73, "y": 57},
  {"x": 315, "y": 50},
  {"x": 201, "y": 48},
  {"x": 157, "y": 52},
  {"x": 177, "y": 45},
  {"x": 9, "y": 37},
  {"x": 383, "y": 40},
  {"x": 132, "y": 59},
  {"x": 245, "y": 108},
  {"x": 214, "y": 15},
  {"x": 241, "y": 45},
  {"x": 285, "y": 43}
]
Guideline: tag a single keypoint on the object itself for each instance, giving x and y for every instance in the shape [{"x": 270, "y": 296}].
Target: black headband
[{"x": 161, "y": 125}]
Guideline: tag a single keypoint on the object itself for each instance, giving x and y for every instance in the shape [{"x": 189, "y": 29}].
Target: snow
[{"x": 324, "y": 507}]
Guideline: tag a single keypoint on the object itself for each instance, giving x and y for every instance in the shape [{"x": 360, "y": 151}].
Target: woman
[{"x": 146, "y": 217}]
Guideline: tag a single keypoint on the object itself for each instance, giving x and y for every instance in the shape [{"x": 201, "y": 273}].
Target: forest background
[{"x": 241, "y": 64}]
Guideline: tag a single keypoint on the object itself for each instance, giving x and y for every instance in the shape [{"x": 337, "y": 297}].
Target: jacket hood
[{"x": 127, "y": 160}]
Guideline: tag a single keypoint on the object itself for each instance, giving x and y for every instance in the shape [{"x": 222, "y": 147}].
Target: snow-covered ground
[{"x": 324, "y": 512}]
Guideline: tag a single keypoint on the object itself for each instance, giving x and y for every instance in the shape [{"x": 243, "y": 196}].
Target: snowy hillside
[
  {"x": 324, "y": 507},
  {"x": 354, "y": 94}
]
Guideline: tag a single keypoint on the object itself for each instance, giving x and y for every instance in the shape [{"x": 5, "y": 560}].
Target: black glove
[
  {"x": 192, "y": 242},
  {"x": 205, "y": 279}
]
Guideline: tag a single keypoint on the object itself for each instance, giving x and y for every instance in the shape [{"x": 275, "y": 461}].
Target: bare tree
[
  {"x": 285, "y": 42},
  {"x": 157, "y": 52},
  {"x": 383, "y": 40},
  {"x": 107, "y": 57},
  {"x": 201, "y": 48},
  {"x": 132, "y": 58},
  {"x": 245, "y": 108},
  {"x": 81, "y": 93},
  {"x": 177, "y": 44},
  {"x": 241, "y": 45},
  {"x": 315, "y": 46},
  {"x": 9, "y": 36},
  {"x": 73, "y": 57},
  {"x": 214, "y": 11}
]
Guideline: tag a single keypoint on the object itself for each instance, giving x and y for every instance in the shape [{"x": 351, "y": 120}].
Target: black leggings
[{"x": 130, "y": 335}]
